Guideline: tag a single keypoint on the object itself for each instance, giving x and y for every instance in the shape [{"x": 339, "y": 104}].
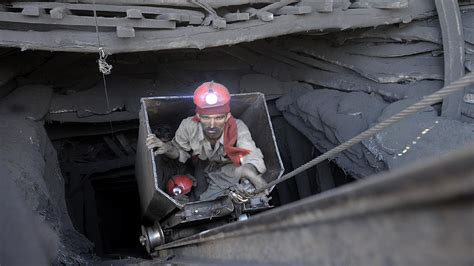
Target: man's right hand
[
  {"x": 156, "y": 145},
  {"x": 250, "y": 172}
]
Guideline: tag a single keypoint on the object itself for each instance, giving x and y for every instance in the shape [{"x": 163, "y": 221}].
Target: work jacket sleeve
[
  {"x": 244, "y": 140},
  {"x": 181, "y": 142}
]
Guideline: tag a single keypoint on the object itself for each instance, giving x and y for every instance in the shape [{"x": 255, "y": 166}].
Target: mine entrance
[
  {"x": 97, "y": 163},
  {"x": 95, "y": 133}
]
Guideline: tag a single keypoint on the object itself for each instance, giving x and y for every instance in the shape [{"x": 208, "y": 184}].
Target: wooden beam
[
  {"x": 172, "y": 17},
  {"x": 114, "y": 147},
  {"x": 87, "y": 21},
  {"x": 176, "y": 3},
  {"x": 59, "y": 12},
  {"x": 294, "y": 10},
  {"x": 32, "y": 11},
  {"x": 262, "y": 15},
  {"x": 106, "y": 8},
  {"x": 383, "y": 4},
  {"x": 390, "y": 4},
  {"x": 318, "y": 5},
  {"x": 134, "y": 13},
  {"x": 233, "y": 17},
  {"x": 203, "y": 37},
  {"x": 125, "y": 144},
  {"x": 97, "y": 166},
  {"x": 125, "y": 32}
]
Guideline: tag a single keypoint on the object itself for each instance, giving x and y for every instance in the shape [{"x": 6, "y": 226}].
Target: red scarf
[{"x": 230, "y": 139}]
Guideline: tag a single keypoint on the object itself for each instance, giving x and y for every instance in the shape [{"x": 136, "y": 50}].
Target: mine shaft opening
[
  {"x": 97, "y": 164},
  {"x": 95, "y": 137},
  {"x": 101, "y": 189}
]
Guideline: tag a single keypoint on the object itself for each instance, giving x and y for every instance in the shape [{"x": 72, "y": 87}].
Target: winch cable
[
  {"x": 104, "y": 67},
  {"x": 417, "y": 107}
]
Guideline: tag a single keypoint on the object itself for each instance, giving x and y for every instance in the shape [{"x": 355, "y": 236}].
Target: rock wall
[{"x": 30, "y": 165}]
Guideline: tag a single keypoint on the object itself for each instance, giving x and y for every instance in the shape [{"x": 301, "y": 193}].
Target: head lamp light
[
  {"x": 177, "y": 191},
  {"x": 211, "y": 97}
]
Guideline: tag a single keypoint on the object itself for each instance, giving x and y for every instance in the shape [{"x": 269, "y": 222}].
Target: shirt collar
[{"x": 221, "y": 139}]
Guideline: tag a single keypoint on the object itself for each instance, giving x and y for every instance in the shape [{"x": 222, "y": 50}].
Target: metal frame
[{"x": 155, "y": 203}]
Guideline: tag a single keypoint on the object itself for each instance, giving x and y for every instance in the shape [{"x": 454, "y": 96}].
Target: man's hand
[
  {"x": 248, "y": 171},
  {"x": 157, "y": 146}
]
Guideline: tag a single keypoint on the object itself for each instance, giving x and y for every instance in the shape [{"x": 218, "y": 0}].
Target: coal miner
[{"x": 220, "y": 146}]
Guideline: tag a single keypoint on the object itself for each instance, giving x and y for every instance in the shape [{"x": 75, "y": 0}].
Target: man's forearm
[{"x": 172, "y": 153}]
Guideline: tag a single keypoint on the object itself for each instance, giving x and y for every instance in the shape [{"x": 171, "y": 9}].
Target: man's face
[{"x": 213, "y": 125}]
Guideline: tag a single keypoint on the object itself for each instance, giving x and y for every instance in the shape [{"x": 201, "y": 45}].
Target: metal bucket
[{"x": 250, "y": 108}]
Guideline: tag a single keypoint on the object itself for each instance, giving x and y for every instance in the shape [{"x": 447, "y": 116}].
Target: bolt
[
  {"x": 469, "y": 98},
  {"x": 142, "y": 240}
]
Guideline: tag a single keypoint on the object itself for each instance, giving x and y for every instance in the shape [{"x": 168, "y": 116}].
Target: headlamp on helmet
[{"x": 212, "y": 98}]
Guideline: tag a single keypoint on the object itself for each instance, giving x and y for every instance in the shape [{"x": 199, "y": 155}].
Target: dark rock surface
[
  {"x": 29, "y": 162},
  {"x": 329, "y": 118},
  {"x": 22, "y": 230}
]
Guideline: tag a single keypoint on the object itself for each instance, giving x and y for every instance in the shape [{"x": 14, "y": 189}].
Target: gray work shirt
[{"x": 190, "y": 141}]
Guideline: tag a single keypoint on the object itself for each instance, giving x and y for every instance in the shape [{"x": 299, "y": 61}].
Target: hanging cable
[{"x": 104, "y": 67}]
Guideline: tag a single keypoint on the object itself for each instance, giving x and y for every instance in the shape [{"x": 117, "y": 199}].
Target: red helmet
[
  {"x": 179, "y": 185},
  {"x": 212, "y": 98}
]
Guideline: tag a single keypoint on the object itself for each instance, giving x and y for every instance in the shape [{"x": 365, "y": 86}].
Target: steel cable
[
  {"x": 104, "y": 67},
  {"x": 418, "y": 106}
]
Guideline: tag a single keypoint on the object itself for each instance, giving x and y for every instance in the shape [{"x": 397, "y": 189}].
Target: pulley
[{"x": 152, "y": 237}]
